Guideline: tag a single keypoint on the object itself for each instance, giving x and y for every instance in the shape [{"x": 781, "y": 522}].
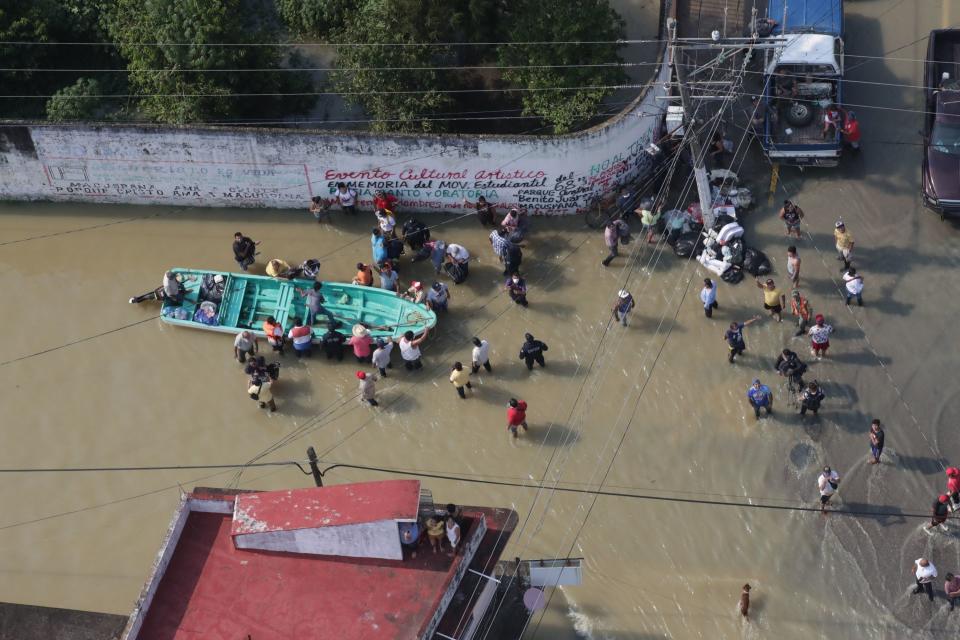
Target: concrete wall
[
  {"x": 284, "y": 169},
  {"x": 366, "y": 540}
]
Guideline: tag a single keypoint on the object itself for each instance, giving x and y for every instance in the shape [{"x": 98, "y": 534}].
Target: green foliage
[
  {"x": 393, "y": 21},
  {"x": 184, "y": 80},
  {"x": 75, "y": 102},
  {"x": 316, "y": 18},
  {"x": 562, "y": 21}
]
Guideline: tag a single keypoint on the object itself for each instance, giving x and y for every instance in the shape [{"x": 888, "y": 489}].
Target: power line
[
  {"x": 619, "y": 41},
  {"x": 28, "y": 470},
  {"x": 76, "y": 342},
  {"x": 318, "y": 93},
  {"x": 328, "y": 69}
]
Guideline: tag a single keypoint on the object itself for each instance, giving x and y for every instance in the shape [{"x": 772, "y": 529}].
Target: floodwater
[{"x": 652, "y": 409}]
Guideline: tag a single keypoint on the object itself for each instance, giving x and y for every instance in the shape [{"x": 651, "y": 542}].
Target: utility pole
[
  {"x": 312, "y": 457},
  {"x": 699, "y": 170}
]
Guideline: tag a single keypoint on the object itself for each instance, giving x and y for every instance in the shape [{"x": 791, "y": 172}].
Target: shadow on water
[
  {"x": 884, "y": 515},
  {"x": 556, "y": 435},
  {"x": 923, "y": 464}
]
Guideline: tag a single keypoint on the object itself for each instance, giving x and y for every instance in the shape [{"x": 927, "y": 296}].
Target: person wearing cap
[
  {"x": 734, "y": 338},
  {"x": 368, "y": 388},
  {"x": 623, "y": 306},
  {"x": 925, "y": 572},
  {"x": 791, "y": 215},
  {"x": 387, "y": 222},
  {"x": 460, "y": 378},
  {"x": 438, "y": 298},
  {"x": 278, "y": 268},
  {"x": 708, "y": 296},
  {"x": 532, "y": 351},
  {"x": 381, "y": 356},
  {"x": 480, "y": 357},
  {"x": 274, "y": 332},
  {"x": 760, "y": 397},
  {"x": 245, "y": 344},
  {"x": 410, "y": 350},
  {"x": 876, "y": 442},
  {"x": 853, "y": 282},
  {"x": 517, "y": 288},
  {"x": 820, "y": 337},
  {"x": 516, "y": 416},
  {"x": 827, "y": 482},
  {"x": 302, "y": 338},
  {"x": 939, "y": 514},
  {"x": 361, "y": 341},
  {"x": 244, "y": 250},
  {"x": 800, "y": 308},
  {"x": 953, "y": 487},
  {"x": 389, "y": 279},
  {"x": 415, "y": 293},
  {"x": 844, "y": 243},
  {"x": 364, "y": 275},
  {"x": 773, "y": 300}
]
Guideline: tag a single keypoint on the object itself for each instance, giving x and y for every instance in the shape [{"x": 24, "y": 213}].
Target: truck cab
[
  {"x": 803, "y": 83},
  {"x": 941, "y": 124}
]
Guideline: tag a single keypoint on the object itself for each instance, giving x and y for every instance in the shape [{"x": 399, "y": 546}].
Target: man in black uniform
[
  {"x": 791, "y": 367},
  {"x": 532, "y": 351},
  {"x": 811, "y": 398},
  {"x": 244, "y": 250},
  {"x": 332, "y": 342}
]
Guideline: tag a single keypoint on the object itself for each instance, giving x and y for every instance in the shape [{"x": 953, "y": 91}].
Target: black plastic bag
[
  {"x": 688, "y": 244},
  {"x": 733, "y": 275}
]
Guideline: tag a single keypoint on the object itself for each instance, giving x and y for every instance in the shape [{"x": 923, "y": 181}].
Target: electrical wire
[
  {"x": 621, "y": 41},
  {"x": 590, "y": 65}
]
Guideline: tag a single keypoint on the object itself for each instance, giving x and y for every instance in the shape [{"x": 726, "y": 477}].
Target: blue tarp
[{"x": 808, "y": 16}]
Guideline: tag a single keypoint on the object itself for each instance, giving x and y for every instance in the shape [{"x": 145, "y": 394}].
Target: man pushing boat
[{"x": 170, "y": 292}]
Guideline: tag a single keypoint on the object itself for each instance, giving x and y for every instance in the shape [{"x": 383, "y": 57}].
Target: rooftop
[{"x": 213, "y": 590}]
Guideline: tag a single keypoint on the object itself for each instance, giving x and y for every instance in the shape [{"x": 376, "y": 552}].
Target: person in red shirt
[
  {"x": 851, "y": 131},
  {"x": 953, "y": 487},
  {"x": 384, "y": 200},
  {"x": 516, "y": 416}
]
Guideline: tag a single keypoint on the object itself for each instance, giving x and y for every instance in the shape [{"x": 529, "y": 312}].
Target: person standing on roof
[
  {"x": 244, "y": 250},
  {"x": 708, "y": 296},
  {"x": 480, "y": 357},
  {"x": 615, "y": 231},
  {"x": 820, "y": 337},
  {"x": 734, "y": 338},
  {"x": 381, "y": 356},
  {"x": 368, "y": 388},
  {"x": 623, "y": 306},
  {"x": 532, "y": 351},
  {"x": 410, "y": 350},
  {"x": 516, "y": 416},
  {"x": 844, "y": 244}
]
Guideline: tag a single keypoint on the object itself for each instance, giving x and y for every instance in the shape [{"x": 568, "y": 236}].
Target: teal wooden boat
[{"x": 248, "y": 300}]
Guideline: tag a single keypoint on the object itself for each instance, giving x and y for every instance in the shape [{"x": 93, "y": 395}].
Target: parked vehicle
[
  {"x": 941, "y": 128},
  {"x": 803, "y": 83}
]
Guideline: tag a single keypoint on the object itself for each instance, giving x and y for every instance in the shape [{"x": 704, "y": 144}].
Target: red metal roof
[{"x": 332, "y": 506}]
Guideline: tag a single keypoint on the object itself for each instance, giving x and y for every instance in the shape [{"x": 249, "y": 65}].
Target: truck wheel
[{"x": 799, "y": 114}]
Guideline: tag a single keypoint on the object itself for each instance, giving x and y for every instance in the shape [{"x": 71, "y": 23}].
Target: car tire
[{"x": 799, "y": 114}]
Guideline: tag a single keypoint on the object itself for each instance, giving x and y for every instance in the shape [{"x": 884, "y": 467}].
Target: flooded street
[{"x": 651, "y": 409}]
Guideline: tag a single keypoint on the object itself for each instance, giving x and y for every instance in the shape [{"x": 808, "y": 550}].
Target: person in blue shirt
[
  {"x": 379, "y": 247},
  {"x": 734, "y": 337},
  {"x": 759, "y": 397}
]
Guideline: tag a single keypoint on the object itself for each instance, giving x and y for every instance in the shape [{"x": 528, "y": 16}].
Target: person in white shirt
[
  {"x": 925, "y": 572},
  {"x": 245, "y": 344},
  {"x": 481, "y": 355},
  {"x": 708, "y": 296},
  {"x": 387, "y": 222},
  {"x": 347, "y": 198},
  {"x": 853, "y": 281},
  {"x": 827, "y": 482},
  {"x": 820, "y": 337},
  {"x": 410, "y": 350},
  {"x": 381, "y": 356},
  {"x": 458, "y": 259}
]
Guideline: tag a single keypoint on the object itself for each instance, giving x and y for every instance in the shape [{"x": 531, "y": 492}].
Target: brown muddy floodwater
[{"x": 90, "y": 380}]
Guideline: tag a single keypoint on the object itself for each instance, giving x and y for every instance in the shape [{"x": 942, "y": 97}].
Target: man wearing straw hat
[{"x": 361, "y": 342}]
